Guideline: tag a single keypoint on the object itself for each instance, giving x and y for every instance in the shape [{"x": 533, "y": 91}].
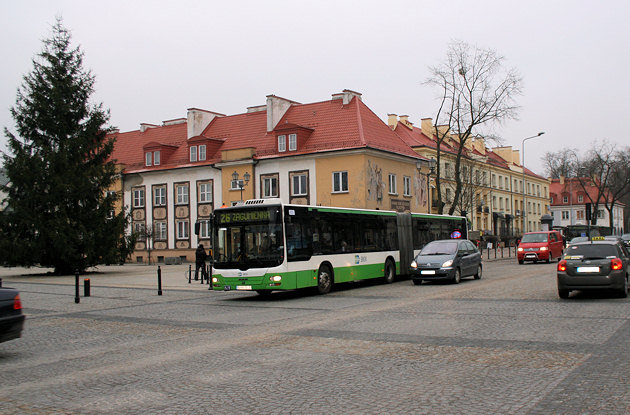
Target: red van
[{"x": 540, "y": 246}]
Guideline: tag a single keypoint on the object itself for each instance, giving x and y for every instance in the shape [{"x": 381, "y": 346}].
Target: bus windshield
[{"x": 248, "y": 238}]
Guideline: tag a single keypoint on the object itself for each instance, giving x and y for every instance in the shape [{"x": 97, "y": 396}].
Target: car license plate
[
  {"x": 427, "y": 272},
  {"x": 587, "y": 269},
  {"x": 244, "y": 287}
]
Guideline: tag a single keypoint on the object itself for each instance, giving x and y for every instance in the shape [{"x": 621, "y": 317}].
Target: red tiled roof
[
  {"x": 329, "y": 125},
  {"x": 572, "y": 186}
]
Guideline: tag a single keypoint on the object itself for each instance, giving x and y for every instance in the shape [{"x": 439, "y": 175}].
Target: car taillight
[
  {"x": 616, "y": 264},
  {"x": 562, "y": 265},
  {"x": 17, "y": 303}
]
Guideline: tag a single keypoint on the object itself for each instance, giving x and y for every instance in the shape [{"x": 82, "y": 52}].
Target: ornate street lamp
[{"x": 240, "y": 183}]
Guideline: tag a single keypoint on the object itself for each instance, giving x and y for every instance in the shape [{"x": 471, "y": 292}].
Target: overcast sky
[{"x": 154, "y": 59}]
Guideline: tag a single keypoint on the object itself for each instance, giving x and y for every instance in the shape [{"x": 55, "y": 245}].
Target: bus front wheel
[
  {"x": 324, "y": 280},
  {"x": 390, "y": 272}
]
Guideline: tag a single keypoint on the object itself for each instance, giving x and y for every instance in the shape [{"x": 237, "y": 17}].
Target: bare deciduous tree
[
  {"x": 561, "y": 163},
  {"x": 476, "y": 91}
]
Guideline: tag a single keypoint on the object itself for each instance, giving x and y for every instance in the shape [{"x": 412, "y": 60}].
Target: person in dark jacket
[{"x": 200, "y": 262}]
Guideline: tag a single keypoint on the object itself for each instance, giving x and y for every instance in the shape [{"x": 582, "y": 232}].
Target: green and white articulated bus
[{"x": 265, "y": 245}]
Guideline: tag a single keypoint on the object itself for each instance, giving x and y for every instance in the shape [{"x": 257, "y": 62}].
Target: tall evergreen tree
[{"x": 59, "y": 213}]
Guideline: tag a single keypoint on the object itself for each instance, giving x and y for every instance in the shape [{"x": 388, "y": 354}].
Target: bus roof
[{"x": 252, "y": 203}]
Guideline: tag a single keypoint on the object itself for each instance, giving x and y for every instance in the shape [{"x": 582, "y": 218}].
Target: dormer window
[
  {"x": 193, "y": 153},
  {"x": 292, "y": 142},
  {"x": 202, "y": 152},
  {"x": 282, "y": 143},
  {"x": 148, "y": 157},
  {"x": 156, "y": 158}
]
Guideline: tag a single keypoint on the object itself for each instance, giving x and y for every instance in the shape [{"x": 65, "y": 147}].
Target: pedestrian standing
[{"x": 200, "y": 262}]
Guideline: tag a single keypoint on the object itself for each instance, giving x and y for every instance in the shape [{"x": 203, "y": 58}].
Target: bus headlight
[
  {"x": 276, "y": 278},
  {"x": 215, "y": 279},
  {"x": 414, "y": 265},
  {"x": 447, "y": 263}
]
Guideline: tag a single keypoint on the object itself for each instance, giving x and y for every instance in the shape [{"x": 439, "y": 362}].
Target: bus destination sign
[{"x": 243, "y": 216}]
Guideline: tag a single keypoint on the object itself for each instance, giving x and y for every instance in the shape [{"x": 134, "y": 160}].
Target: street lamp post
[
  {"x": 524, "y": 215},
  {"x": 241, "y": 183},
  {"x": 432, "y": 165}
]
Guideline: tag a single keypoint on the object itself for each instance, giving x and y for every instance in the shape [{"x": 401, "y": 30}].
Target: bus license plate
[
  {"x": 244, "y": 287},
  {"x": 587, "y": 269},
  {"x": 427, "y": 272}
]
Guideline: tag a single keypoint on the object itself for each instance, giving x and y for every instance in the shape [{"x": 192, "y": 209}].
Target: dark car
[
  {"x": 446, "y": 260},
  {"x": 11, "y": 317},
  {"x": 597, "y": 264}
]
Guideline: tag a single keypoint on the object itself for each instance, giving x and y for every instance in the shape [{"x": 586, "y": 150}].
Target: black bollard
[
  {"x": 189, "y": 273},
  {"x": 159, "y": 281},
  {"x": 76, "y": 287},
  {"x": 0, "y": 282},
  {"x": 86, "y": 287}
]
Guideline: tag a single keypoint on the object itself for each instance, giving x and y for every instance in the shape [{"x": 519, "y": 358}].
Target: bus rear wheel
[
  {"x": 324, "y": 280},
  {"x": 390, "y": 272}
]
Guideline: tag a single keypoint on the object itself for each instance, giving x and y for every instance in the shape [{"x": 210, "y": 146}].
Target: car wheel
[
  {"x": 478, "y": 274},
  {"x": 417, "y": 282},
  {"x": 458, "y": 277},
  {"x": 564, "y": 294},
  {"x": 390, "y": 272},
  {"x": 324, "y": 280},
  {"x": 623, "y": 293},
  {"x": 520, "y": 261}
]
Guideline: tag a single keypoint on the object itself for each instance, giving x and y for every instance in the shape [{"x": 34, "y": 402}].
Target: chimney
[
  {"x": 516, "y": 157},
  {"x": 479, "y": 144},
  {"x": 198, "y": 120},
  {"x": 426, "y": 126},
  {"x": 276, "y": 108},
  {"x": 404, "y": 120},
  {"x": 347, "y": 96},
  {"x": 504, "y": 152},
  {"x": 392, "y": 121},
  {"x": 145, "y": 126}
]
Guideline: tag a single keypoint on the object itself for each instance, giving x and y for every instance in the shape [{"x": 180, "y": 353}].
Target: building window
[
  {"x": 159, "y": 231},
  {"x": 392, "y": 184},
  {"x": 580, "y": 198},
  {"x": 182, "y": 194},
  {"x": 148, "y": 156},
  {"x": 580, "y": 214},
  {"x": 205, "y": 193},
  {"x": 282, "y": 143},
  {"x": 565, "y": 199},
  {"x": 204, "y": 229},
  {"x": 299, "y": 185},
  {"x": 202, "y": 152},
  {"x": 494, "y": 180},
  {"x": 538, "y": 190},
  {"x": 193, "y": 153},
  {"x": 565, "y": 214},
  {"x": 182, "y": 229},
  {"x": 270, "y": 186},
  {"x": 138, "y": 198},
  {"x": 139, "y": 229},
  {"x": 406, "y": 186},
  {"x": 551, "y": 200},
  {"x": 236, "y": 184},
  {"x": 500, "y": 182},
  {"x": 501, "y": 203},
  {"x": 159, "y": 196},
  {"x": 600, "y": 214},
  {"x": 292, "y": 142},
  {"x": 340, "y": 181},
  {"x": 156, "y": 158}
]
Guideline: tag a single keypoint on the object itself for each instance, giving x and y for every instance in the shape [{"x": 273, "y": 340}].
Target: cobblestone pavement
[{"x": 504, "y": 344}]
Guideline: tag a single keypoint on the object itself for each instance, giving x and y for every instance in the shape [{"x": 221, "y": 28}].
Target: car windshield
[
  {"x": 534, "y": 237},
  {"x": 592, "y": 251},
  {"x": 439, "y": 248}
]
